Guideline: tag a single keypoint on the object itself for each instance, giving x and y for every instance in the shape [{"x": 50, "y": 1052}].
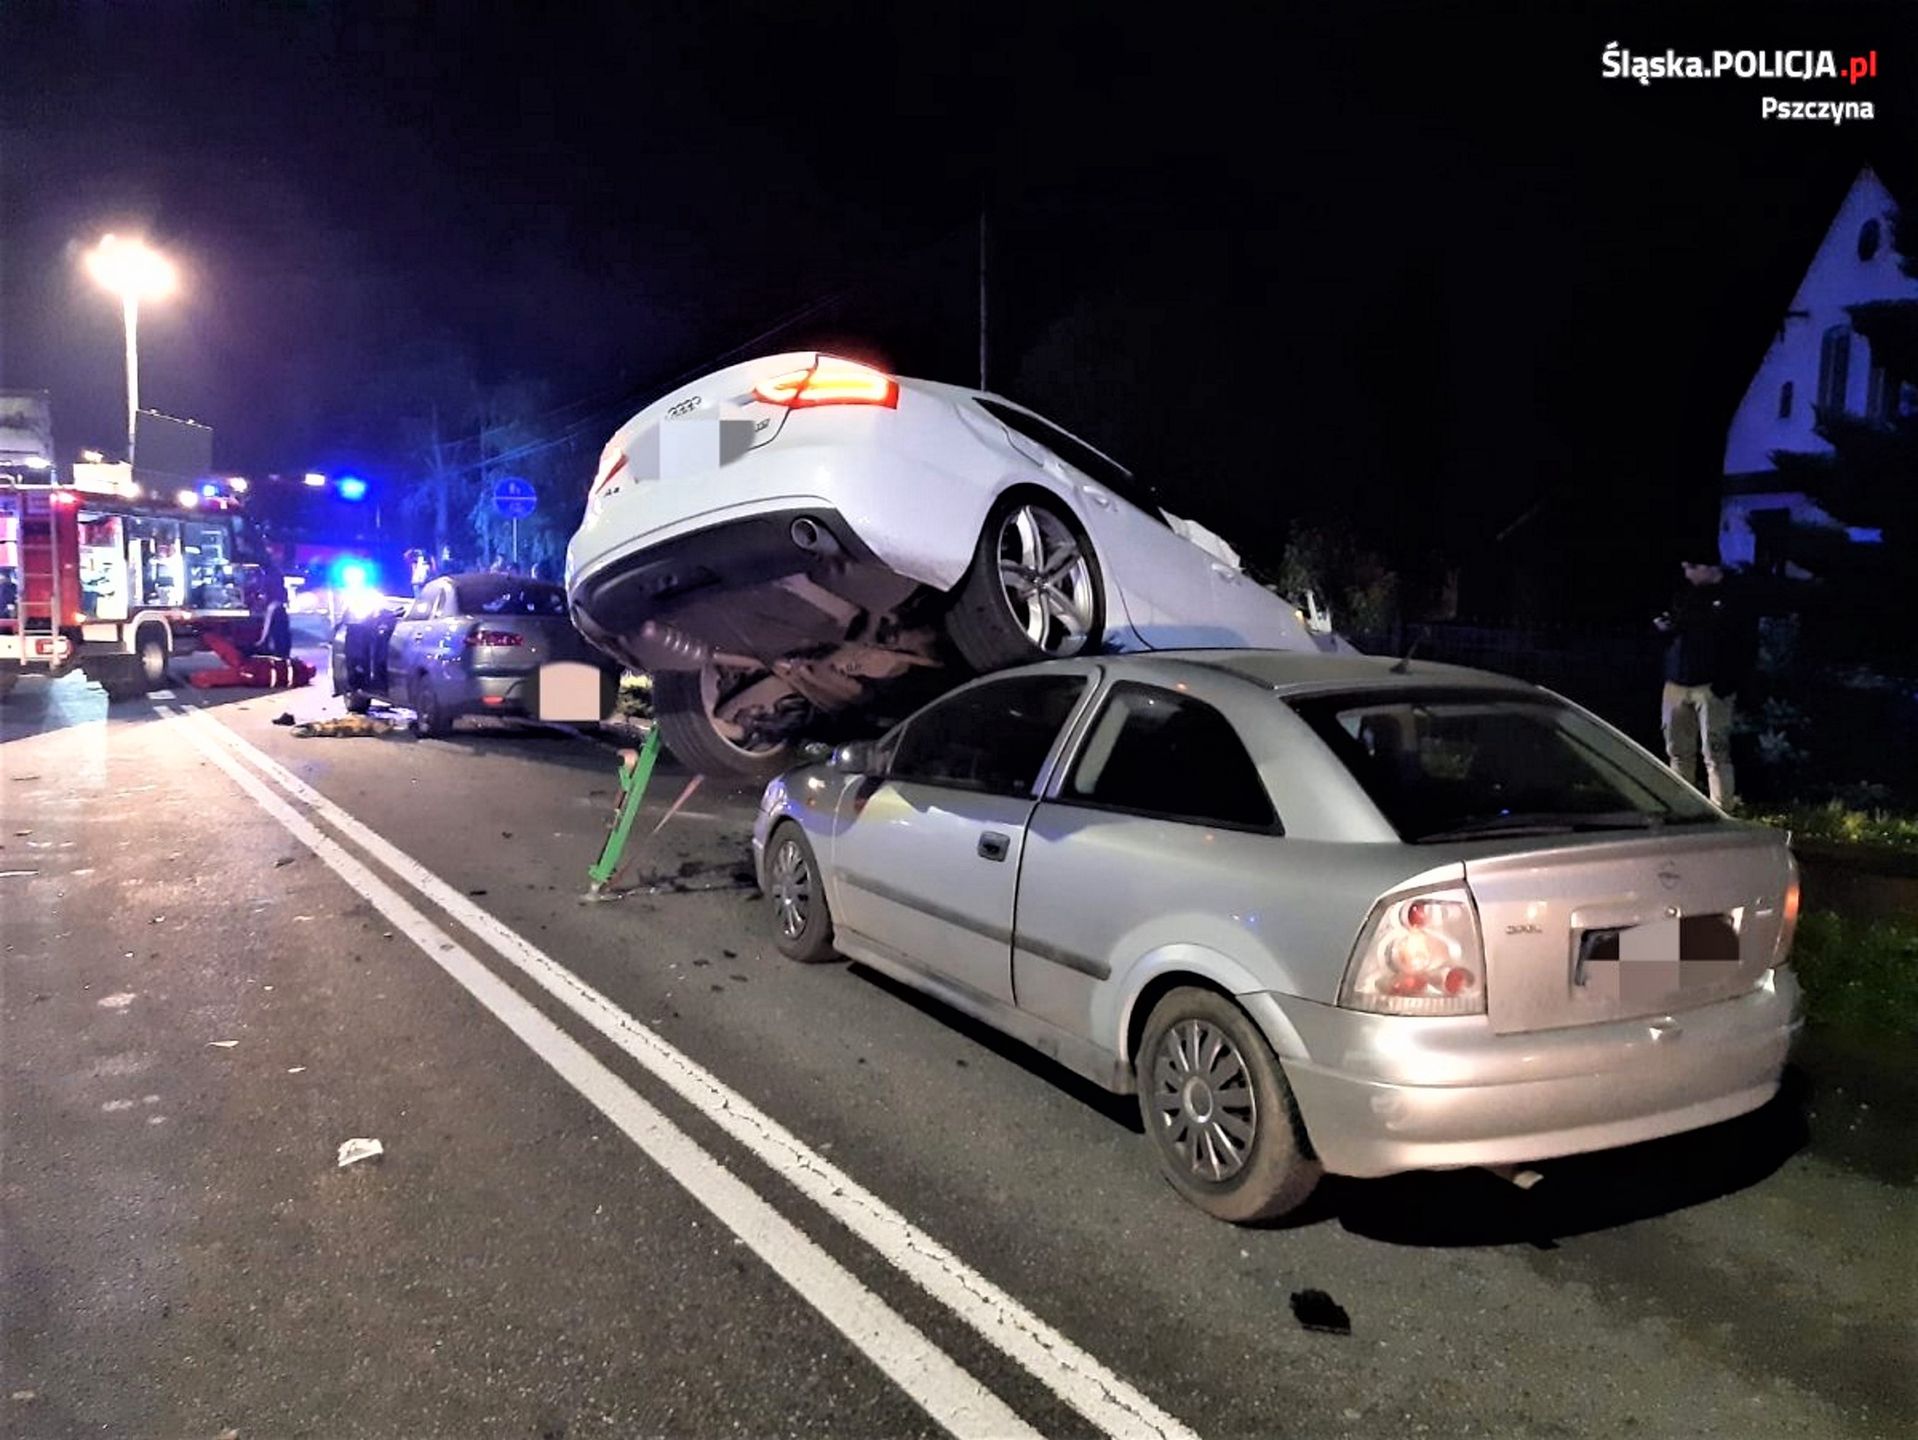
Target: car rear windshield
[
  {"x": 1458, "y": 765},
  {"x": 507, "y": 595}
]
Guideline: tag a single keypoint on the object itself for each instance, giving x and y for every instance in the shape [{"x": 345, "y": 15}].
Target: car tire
[
  {"x": 683, "y": 710},
  {"x": 427, "y": 710},
  {"x": 991, "y": 623},
  {"x": 796, "y": 897},
  {"x": 1226, "y": 1129}
]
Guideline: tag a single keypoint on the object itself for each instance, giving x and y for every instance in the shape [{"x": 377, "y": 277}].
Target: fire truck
[{"x": 101, "y": 576}]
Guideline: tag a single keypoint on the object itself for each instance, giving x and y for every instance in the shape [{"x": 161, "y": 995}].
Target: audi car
[
  {"x": 1318, "y": 913},
  {"x": 784, "y": 539}
]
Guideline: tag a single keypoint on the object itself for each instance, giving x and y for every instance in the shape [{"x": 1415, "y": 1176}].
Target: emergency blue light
[
  {"x": 352, "y": 487},
  {"x": 209, "y": 489},
  {"x": 351, "y": 574}
]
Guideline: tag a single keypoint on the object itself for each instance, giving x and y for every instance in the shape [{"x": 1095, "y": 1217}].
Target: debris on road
[
  {"x": 294, "y": 1069},
  {"x": 14, "y": 874},
  {"x": 360, "y": 1148},
  {"x": 221, "y": 1044},
  {"x": 345, "y": 727},
  {"x": 1316, "y": 1310},
  {"x": 285, "y": 717}
]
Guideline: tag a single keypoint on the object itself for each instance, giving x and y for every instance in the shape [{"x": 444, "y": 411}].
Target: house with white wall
[{"x": 1814, "y": 363}]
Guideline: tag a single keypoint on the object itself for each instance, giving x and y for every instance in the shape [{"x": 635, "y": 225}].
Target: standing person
[
  {"x": 1710, "y": 652},
  {"x": 420, "y": 566},
  {"x": 500, "y": 567},
  {"x": 275, "y": 640}
]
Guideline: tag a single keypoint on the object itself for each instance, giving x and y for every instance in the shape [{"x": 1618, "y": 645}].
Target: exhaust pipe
[
  {"x": 1521, "y": 1176},
  {"x": 812, "y": 537}
]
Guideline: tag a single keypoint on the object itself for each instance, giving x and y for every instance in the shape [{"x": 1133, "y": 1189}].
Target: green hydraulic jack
[{"x": 635, "y": 770}]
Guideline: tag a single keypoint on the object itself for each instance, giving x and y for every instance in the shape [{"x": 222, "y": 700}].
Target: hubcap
[
  {"x": 791, "y": 888},
  {"x": 1202, "y": 1095},
  {"x": 1046, "y": 579}
]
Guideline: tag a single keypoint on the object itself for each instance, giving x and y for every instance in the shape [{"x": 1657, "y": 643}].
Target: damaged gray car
[{"x": 1319, "y": 913}]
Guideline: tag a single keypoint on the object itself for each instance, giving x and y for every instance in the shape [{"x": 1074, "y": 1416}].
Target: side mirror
[{"x": 853, "y": 759}]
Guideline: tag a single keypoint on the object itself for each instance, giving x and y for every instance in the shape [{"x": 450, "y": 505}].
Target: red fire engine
[{"x": 111, "y": 582}]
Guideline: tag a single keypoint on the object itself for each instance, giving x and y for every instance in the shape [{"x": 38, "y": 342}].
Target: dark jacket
[
  {"x": 276, "y": 634},
  {"x": 1714, "y": 638}
]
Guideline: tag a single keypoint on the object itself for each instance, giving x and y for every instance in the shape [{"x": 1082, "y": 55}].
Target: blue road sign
[{"x": 514, "y": 498}]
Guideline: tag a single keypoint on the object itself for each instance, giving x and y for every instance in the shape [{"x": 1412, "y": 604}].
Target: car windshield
[
  {"x": 509, "y": 595},
  {"x": 1458, "y": 765}
]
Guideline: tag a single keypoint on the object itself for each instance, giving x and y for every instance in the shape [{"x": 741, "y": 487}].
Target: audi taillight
[
  {"x": 1788, "y": 921},
  {"x": 1420, "y": 955},
  {"x": 829, "y": 382},
  {"x": 495, "y": 637}
]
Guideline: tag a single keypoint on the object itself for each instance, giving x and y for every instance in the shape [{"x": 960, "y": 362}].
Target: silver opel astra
[{"x": 1320, "y": 913}]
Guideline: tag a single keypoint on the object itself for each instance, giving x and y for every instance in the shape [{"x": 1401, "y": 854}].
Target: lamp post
[{"x": 133, "y": 271}]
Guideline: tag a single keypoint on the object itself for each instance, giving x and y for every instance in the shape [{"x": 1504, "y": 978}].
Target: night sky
[{"x": 1408, "y": 266}]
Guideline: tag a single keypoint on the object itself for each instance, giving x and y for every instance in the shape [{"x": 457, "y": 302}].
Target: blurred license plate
[
  {"x": 1646, "y": 963},
  {"x": 570, "y": 692}
]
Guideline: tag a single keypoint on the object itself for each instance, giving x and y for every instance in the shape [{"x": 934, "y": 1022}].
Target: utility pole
[{"x": 982, "y": 298}]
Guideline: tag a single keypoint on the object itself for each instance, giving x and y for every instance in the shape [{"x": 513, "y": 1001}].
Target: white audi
[{"x": 779, "y": 540}]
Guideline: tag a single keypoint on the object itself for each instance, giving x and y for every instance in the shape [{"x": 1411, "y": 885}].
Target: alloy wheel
[
  {"x": 1046, "y": 578},
  {"x": 791, "y": 888}
]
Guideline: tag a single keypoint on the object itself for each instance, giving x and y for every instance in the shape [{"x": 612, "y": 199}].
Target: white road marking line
[
  {"x": 933, "y": 1380},
  {"x": 1075, "y": 1376}
]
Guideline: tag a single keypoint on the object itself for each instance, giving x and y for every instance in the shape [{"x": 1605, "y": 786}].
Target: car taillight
[
  {"x": 829, "y": 382},
  {"x": 494, "y": 637},
  {"x": 1788, "y": 923},
  {"x": 603, "y": 481},
  {"x": 1420, "y": 956}
]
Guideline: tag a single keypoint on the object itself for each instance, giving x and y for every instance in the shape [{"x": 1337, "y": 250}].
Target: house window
[
  {"x": 1784, "y": 401},
  {"x": 1868, "y": 238},
  {"x": 1834, "y": 368}
]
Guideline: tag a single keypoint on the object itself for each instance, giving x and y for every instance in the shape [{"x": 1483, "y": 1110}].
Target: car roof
[{"x": 1293, "y": 672}]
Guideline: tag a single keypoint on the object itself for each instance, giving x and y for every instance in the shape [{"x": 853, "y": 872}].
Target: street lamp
[{"x": 133, "y": 271}]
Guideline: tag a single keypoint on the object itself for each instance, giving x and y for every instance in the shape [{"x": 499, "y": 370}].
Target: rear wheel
[
  {"x": 1033, "y": 592},
  {"x": 802, "y": 923},
  {"x": 427, "y": 709},
  {"x": 1218, "y": 1111},
  {"x": 684, "y": 706},
  {"x": 150, "y": 649}
]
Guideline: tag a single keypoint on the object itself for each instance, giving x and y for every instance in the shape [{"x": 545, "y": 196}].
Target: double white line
[{"x": 947, "y": 1392}]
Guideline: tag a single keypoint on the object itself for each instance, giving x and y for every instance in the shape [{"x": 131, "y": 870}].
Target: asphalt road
[{"x": 644, "y": 1177}]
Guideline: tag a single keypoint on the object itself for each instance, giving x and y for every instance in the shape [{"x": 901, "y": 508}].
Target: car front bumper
[{"x": 1381, "y": 1094}]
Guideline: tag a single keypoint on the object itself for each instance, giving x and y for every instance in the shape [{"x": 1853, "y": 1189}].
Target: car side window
[
  {"x": 1159, "y": 753},
  {"x": 441, "y": 609},
  {"x": 992, "y": 737},
  {"x": 1081, "y": 456}
]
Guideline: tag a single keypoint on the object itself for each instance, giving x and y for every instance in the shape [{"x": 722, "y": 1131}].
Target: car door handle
[
  {"x": 1097, "y": 497},
  {"x": 994, "y": 846}
]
